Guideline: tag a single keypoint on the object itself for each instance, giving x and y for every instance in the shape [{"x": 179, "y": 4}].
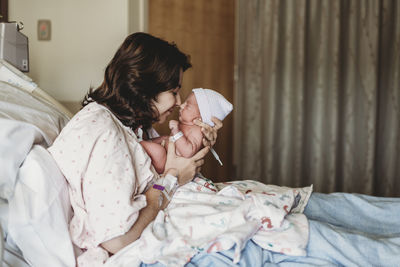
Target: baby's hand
[{"x": 173, "y": 125}]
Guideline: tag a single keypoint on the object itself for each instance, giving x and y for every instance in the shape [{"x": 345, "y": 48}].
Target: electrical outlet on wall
[{"x": 44, "y": 30}]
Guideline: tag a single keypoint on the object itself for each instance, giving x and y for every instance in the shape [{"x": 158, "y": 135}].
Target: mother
[{"x": 108, "y": 173}]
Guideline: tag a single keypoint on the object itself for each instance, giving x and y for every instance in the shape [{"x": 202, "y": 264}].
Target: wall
[{"x": 84, "y": 36}]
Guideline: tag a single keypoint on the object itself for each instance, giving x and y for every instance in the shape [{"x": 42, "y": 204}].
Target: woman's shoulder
[
  {"x": 92, "y": 110},
  {"x": 93, "y": 120},
  {"x": 94, "y": 115}
]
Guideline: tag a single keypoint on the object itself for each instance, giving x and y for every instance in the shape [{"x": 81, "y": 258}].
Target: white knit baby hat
[{"x": 212, "y": 104}]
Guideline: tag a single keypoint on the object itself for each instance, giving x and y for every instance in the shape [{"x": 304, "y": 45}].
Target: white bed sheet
[
  {"x": 12, "y": 258},
  {"x": 39, "y": 212}
]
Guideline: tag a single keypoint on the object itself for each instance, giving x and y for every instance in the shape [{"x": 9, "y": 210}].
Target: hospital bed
[
  {"x": 34, "y": 212},
  {"x": 34, "y": 201}
]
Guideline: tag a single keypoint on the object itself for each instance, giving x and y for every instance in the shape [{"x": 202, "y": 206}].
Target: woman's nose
[{"x": 178, "y": 100}]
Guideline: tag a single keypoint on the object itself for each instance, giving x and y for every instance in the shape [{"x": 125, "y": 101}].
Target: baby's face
[{"x": 189, "y": 110}]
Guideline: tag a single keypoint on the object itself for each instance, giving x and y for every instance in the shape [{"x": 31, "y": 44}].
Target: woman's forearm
[{"x": 146, "y": 216}]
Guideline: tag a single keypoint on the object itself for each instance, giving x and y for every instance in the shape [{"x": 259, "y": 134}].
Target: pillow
[
  {"x": 24, "y": 120},
  {"x": 11, "y": 75},
  {"x": 39, "y": 212},
  {"x": 17, "y": 104}
]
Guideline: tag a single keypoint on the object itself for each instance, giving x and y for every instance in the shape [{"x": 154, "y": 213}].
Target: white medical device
[{"x": 14, "y": 45}]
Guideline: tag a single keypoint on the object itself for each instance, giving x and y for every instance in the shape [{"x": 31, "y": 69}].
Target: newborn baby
[{"x": 201, "y": 103}]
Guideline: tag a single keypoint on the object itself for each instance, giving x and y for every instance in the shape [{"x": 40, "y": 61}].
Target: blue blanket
[{"x": 345, "y": 230}]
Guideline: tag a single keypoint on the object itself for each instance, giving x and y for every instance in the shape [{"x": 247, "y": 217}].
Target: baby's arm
[
  {"x": 157, "y": 154},
  {"x": 189, "y": 144}
]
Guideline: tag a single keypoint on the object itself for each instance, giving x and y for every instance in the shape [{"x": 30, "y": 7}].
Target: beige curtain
[{"x": 318, "y": 94}]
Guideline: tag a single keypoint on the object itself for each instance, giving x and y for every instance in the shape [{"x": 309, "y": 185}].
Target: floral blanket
[{"x": 203, "y": 216}]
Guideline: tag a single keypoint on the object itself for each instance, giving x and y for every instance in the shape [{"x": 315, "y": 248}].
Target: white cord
[{"x": 216, "y": 156}]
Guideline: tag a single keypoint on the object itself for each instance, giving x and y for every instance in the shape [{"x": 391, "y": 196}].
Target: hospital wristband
[
  {"x": 161, "y": 188},
  {"x": 170, "y": 182},
  {"x": 167, "y": 187},
  {"x": 176, "y": 136},
  {"x": 158, "y": 187}
]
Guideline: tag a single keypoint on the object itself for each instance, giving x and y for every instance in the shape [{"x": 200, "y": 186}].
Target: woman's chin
[{"x": 162, "y": 119}]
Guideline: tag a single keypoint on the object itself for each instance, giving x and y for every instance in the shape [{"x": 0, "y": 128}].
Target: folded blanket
[
  {"x": 207, "y": 217},
  {"x": 17, "y": 139}
]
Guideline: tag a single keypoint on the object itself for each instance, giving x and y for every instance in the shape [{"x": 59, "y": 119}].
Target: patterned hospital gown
[{"x": 107, "y": 172}]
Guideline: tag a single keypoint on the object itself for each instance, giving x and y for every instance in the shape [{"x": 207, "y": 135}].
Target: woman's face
[{"x": 167, "y": 101}]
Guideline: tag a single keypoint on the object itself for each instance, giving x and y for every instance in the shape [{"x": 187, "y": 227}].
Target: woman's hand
[
  {"x": 183, "y": 168},
  {"x": 210, "y": 133}
]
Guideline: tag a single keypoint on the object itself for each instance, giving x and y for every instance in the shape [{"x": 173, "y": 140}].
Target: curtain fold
[{"x": 318, "y": 97}]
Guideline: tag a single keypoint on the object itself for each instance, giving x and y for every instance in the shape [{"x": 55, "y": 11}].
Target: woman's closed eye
[{"x": 175, "y": 91}]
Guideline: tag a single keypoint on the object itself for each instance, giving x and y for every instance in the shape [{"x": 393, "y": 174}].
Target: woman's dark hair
[{"x": 142, "y": 67}]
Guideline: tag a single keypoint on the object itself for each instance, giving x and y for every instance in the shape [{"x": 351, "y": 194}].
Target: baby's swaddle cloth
[{"x": 207, "y": 217}]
